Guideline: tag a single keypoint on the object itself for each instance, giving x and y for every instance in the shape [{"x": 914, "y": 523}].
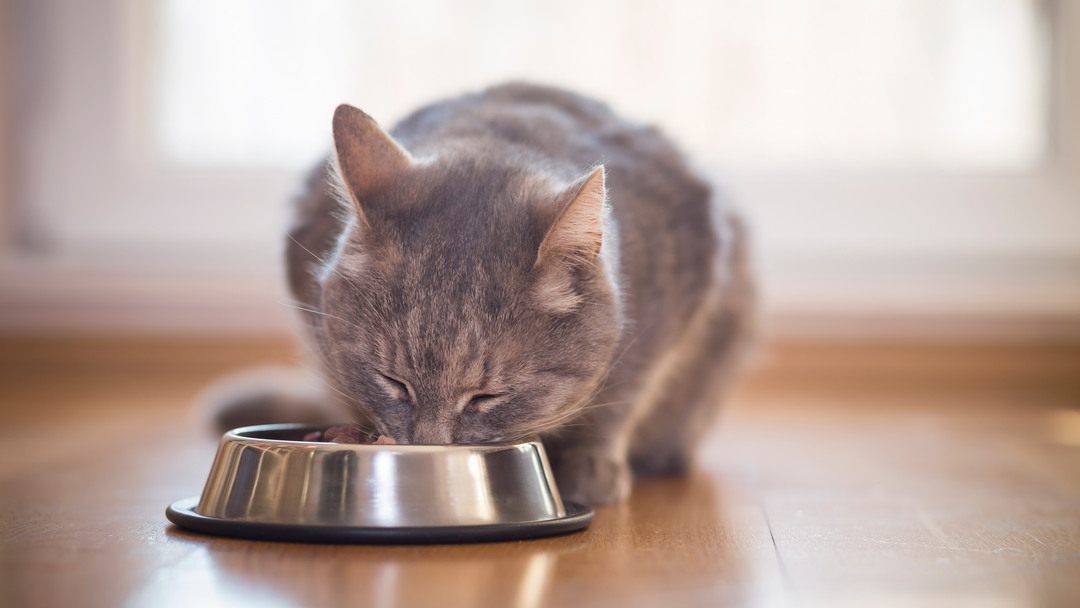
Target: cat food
[{"x": 348, "y": 434}]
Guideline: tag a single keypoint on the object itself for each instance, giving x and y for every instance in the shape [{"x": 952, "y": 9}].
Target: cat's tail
[{"x": 267, "y": 395}]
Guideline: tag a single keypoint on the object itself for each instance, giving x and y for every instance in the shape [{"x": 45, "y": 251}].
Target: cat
[{"x": 518, "y": 262}]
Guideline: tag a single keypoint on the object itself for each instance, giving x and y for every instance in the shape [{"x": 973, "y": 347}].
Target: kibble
[{"x": 349, "y": 433}]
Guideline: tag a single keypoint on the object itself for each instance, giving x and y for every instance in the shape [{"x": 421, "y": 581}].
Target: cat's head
[{"x": 469, "y": 300}]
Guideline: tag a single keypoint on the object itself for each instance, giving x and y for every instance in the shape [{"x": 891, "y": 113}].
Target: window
[
  {"x": 782, "y": 84},
  {"x": 899, "y": 157}
]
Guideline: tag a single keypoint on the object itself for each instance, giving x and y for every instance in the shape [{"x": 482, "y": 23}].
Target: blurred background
[
  {"x": 910, "y": 436},
  {"x": 911, "y": 167}
]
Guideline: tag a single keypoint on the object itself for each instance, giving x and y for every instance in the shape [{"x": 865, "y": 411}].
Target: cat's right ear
[{"x": 368, "y": 158}]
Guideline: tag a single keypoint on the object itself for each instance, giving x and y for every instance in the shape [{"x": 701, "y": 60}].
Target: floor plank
[{"x": 839, "y": 475}]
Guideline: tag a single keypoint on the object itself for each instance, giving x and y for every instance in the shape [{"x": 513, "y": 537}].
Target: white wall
[{"x": 115, "y": 232}]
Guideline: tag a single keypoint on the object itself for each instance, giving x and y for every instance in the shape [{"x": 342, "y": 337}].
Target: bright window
[
  {"x": 777, "y": 84},
  {"x": 897, "y": 157}
]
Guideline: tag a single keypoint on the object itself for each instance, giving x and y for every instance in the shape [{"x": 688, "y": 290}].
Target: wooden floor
[{"x": 839, "y": 476}]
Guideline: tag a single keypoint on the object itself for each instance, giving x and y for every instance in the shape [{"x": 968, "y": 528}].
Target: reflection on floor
[{"x": 839, "y": 475}]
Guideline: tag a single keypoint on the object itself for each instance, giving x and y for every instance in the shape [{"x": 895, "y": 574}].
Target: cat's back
[
  {"x": 571, "y": 131},
  {"x": 663, "y": 210},
  {"x": 665, "y": 228}
]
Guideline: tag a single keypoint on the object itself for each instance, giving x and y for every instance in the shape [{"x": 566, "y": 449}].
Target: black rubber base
[{"x": 182, "y": 513}]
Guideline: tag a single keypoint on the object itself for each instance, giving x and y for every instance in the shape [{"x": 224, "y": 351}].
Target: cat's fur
[{"x": 523, "y": 261}]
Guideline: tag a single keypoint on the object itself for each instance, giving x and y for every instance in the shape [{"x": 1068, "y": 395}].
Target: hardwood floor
[{"x": 838, "y": 476}]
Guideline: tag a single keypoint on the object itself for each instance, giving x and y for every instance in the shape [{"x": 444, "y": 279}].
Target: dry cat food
[{"x": 348, "y": 433}]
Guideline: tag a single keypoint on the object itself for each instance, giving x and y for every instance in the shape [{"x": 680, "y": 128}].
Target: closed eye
[
  {"x": 397, "y": 388},
  {"x": 483, "y": 402}
]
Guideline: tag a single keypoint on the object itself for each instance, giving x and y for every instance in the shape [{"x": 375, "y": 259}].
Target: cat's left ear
[
  {"x": 572, "y": 244},
  {"x": 576, "y": 237},
  {"x": 368, "y": 157}
]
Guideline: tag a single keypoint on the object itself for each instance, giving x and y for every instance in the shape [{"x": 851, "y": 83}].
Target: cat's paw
[
  {"x": 592, "y": 477},
  {"x": 661, "y": 462},
  {"x": 265, "y": 395}
]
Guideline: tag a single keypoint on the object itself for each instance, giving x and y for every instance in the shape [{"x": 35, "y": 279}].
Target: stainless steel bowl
[{"x": 266, "y": 482}]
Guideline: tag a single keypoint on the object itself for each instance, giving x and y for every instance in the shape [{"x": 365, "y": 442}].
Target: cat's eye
[
  {"x": 481, "y": 403},
  {"x": 398, "y": 388}
]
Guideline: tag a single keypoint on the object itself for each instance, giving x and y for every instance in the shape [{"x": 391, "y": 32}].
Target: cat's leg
[
  {"x": 268, "y": 395},
  {"x": 589, "y": 455},
  {"x": 695, "y": 375}
]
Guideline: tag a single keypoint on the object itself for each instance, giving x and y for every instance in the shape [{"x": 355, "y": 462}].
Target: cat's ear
[
  {"x": 572, "y": 244},
  {"x": 368, "y": 157},
  {"x": 577, "y": 234}
]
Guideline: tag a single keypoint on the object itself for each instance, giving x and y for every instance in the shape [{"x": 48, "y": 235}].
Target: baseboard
[
  {"x": 46, "y": 299},
  {"x": 924, "y": 328}
]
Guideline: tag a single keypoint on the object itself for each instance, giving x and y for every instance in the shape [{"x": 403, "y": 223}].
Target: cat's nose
[{"x": 429, "y": 431}]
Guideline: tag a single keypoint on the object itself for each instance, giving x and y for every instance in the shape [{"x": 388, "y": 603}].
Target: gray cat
[{"x": 515, "y": 262}]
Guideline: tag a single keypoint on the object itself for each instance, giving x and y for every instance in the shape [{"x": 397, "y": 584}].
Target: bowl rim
[{"x": 244, "y": 434}]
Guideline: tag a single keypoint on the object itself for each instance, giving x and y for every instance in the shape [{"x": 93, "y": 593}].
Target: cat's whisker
[
  {"x": 312, "y": 310},
  {"x": 593, "y": 406},
  {"x": 554, "y": 421},
  {"x": 615, "y": 364},
  {"x": 328, "y": 383},
  {"x": 325, "y": 265},
  {"x": 566, "y": 417}
]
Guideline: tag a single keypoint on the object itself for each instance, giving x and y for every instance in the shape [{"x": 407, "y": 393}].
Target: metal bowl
[{"x": 267, "y": 483}]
